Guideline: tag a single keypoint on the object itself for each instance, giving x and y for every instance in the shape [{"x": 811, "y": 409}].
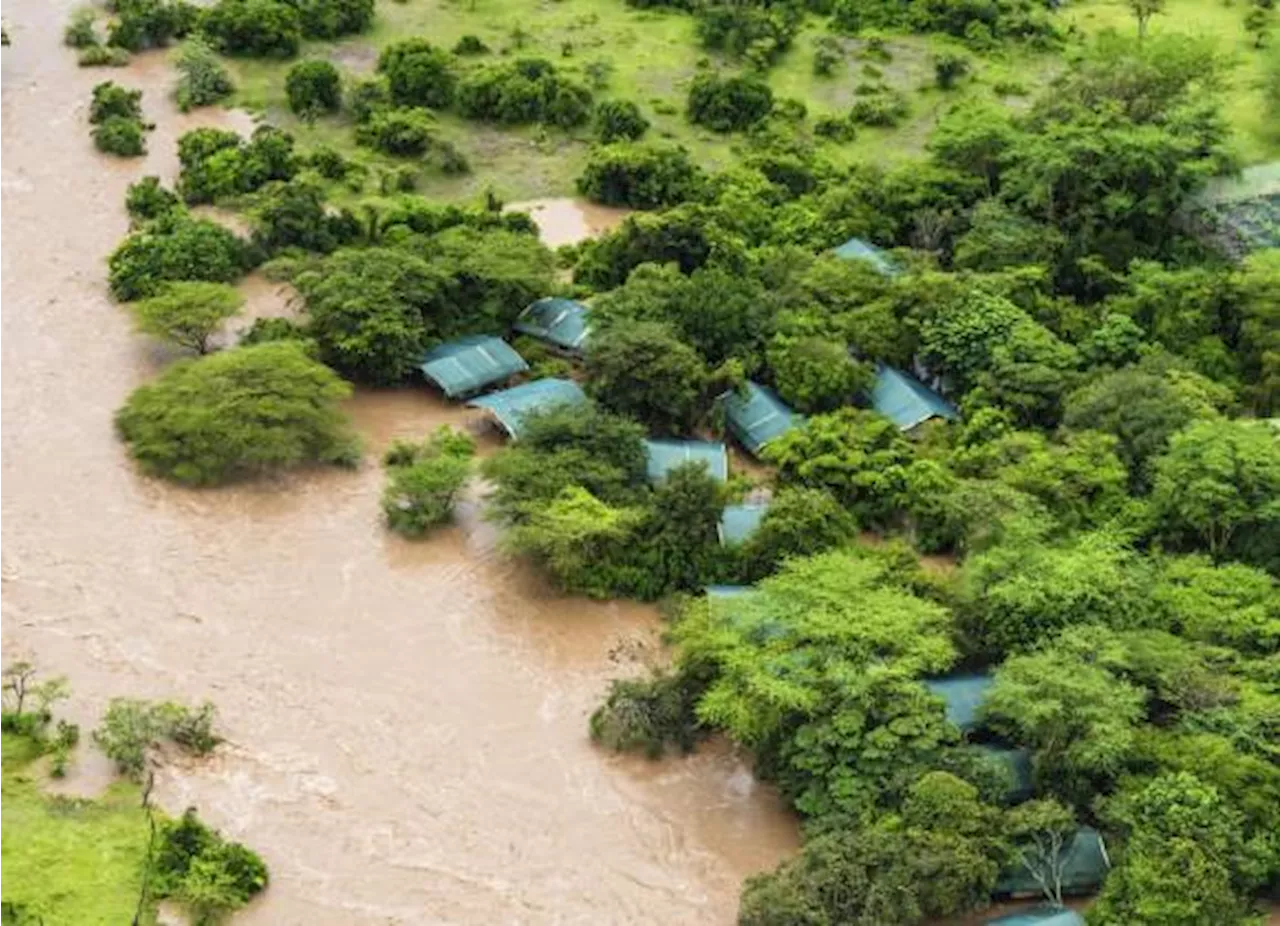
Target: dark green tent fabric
[
  {"x": 963, "y": 695},
  {"x": 1085, "y": 867},
  {"x": 666, "y": 455},
  {"x": 561, "y": 322},
  {"x": 756, "y": 416},
  {"x": 906, "y": 401},
  {"x": 469, "y": 364},
  {"x": 1039, "y": 916},
  {"x": 510, "y": 405},
  {"x": 857, "y": 249},
  {"x": 740, "y": 521}
]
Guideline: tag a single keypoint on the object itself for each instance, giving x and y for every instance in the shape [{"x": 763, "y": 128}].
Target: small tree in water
[
  {"x": 424, "y": 480},
  {"x": 188, "y": 314}
]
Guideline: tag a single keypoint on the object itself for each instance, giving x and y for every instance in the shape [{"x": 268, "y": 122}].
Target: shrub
[
  {"x": 758, "y": 32},
  {"x": 110, "y": 99},
  {"x": 726, "y": 104},
  {"x": 195, "y": 866},
  {"x": 470, "y": 45},
  {"x": 648, "y": 715},
  {"x": 619, "y": 120},
  {"x": 836, "y": 128},
  {"x": 329, "y": 163},
  {"x": 177, "y": 247},
  {"x": 132, "y": 728},
  {"x": 292, "y": 214},
  {"x": 188, "y": 313},
  {"x": 142, "y": 24},
  {"x": 399, "y": 132},
  {"x": 80, "y": 32},
  {"x": 218, "y": 164},
  {"x": 884, "y": 107},
  {"x": 641, "y": 176},
  {"x": 103, "y": 56},
  {"x": 329, "y": 19},
  {"x": 524, "y": 91},
  {"x": 424, "y": 481},
  {"x": 146, "y": 199},
  {"x": 120, "y": 136},
  {"x": 238, "y": 413},
  {"x": 367, "y": 97},
  {"x": 264, "y": 330},
  {"x": 948, "y": 68},
  {"x": 255, "y": 28},
  {"x": 313, "y": 87},
  {"x": 418, "y": 74},
  {"x": 827, "y": 53},
  {"x": 799, "y": 522},
  {"x": 203, "y": 80}
]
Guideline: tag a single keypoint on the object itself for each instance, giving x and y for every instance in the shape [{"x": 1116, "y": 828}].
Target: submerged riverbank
[{"x": 406, "y": 722}]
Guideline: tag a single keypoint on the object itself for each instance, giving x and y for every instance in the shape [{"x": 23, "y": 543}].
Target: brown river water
[{"x": 406, "y": 723}]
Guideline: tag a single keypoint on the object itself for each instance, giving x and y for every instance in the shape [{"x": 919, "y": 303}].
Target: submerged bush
[
  {"x": 239, "y": 413},
  {"x": 120, "y": 136},
  {"x": 424, "y": 481},
  {"x": 146, "y": 200},
  {"x": 80, "y": 32},
  {"x": 103, "y": 56},
  {"x": 195, "y": 866},
  {"x": 176, "y": 247},
  {"x": 648, "y": 715},
  {"x": 203, "y": 80},
  {"x": 131, "y": 729}
]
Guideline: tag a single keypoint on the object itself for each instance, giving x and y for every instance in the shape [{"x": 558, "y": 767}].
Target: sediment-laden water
[{"x": 406, "y": 722}]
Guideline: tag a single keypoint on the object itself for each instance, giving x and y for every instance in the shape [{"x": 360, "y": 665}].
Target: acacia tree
[{"x": 188, "y": 313}]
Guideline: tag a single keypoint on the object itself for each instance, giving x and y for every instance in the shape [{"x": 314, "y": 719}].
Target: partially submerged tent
[
  {"x": 666, "y": 455},
  {"x": 906, "y": 401},
  {"x": 1039, "y": 916},
  {"x": 1085, "y": 864},
  {"x": 510, "y": 405},
  {"x": 469, "y": 364},
  {"x": 756, "y": 416},
  {"x": 857, "y": 249},
  {"x": 740, "y": 521},
  {"x": 963, "y": 695},
  {"x": 563, "y": 323}
]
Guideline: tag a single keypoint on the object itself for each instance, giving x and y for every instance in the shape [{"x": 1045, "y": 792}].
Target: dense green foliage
[
  {"x": 116, "y": 116},
  {"x": 418, "y": 74},
  {"x": 238, "y": 413},
  {"x": 314, "y": 88},
  {"x": 132, "y": 729},
  {"x": 176, "y": 246},
  {"x": 523, "y": 91},
  {"x": 423, "y": 480},
  {"x": 187, "y": 314},
  {"x": 210, "y": 876},
  {"x": 202, "y": 78},
  {"x": 255, "y": 28},
  {"x": 726, "y": 104},
  {"x": 642, "y": 176},
  {"x": 142, "y": 24}
]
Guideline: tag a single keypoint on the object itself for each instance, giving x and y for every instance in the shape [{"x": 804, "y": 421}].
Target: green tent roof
[
  {"x": 758, "y": 416},
  {"x": 1084, "y": 869},
  {"x": 963, "y": 695},
  {"x": 562, "y": 322},
  {"x": 510, "y": 405},
  {"x": 857, "y": 249},
  {"x": 727, "y": 591},
  {"x": 1039, "y": 916},
  {"x": 469, "y": 364},
  {"x": 666, "y": 455},
  {"x": 906, "y": 401},
  {"x": 740, "y": 521}
]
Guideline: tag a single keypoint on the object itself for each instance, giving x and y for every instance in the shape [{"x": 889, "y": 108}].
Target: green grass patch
[
  {"x": 69, "y": 860},
  {"x": 652, "y": 55}
]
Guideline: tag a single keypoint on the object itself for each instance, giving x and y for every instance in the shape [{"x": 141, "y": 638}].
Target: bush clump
[
  {"x": 470, "y": 45},
  {"x": 218, "y": 164},
  {"x": 142, "y": 24},
  {"x": 619, "y": 120},
  {"x": 132, "y": 729},
  {"x": 640, "y": 176},
  {"x": 329, "y": 19},
  {"x": 80, "y": 31},
  {"x": 146, "y": 200},
  {"x": 239, "y": 413},
  {"x": 418, "y": 74},
  {"x": 313, "y": 88},
  {"x": 883, "y": 107},
  {"x": 196, "y": 867},
  {"x": 524, "y": 91},
  {"x": 254, "y": 28},
  {"x": 175, "y": 247},
  {"x": 403, "y": 133},
  {"x": 648, "y": 715},
  {"x": 103, "y": 56},
  {"x": 727, "y": 104},
  {"x": 202, "y": 79},
  {"x": 116, "y": 115},
  {"x": 423, "y": 480}
]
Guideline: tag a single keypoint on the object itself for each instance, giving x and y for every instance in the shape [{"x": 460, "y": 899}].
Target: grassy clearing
[
  {"x": 652, "y": 55},
  {"x": 70, "y": 861}
]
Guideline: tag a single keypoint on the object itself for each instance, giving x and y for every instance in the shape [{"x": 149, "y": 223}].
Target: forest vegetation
[{"x": 1105, "y": 503}]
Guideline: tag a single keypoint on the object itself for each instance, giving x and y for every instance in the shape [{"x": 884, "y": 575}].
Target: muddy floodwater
[
  {"x": 406, "y": 723},
  {"x": 569, "y": 220}
]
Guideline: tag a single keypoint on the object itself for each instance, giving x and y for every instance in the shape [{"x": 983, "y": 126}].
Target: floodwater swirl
[{"x": 406, "y": 722}]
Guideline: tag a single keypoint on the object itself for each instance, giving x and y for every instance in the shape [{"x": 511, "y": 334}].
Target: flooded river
[{"x": 406, "y": 722}]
